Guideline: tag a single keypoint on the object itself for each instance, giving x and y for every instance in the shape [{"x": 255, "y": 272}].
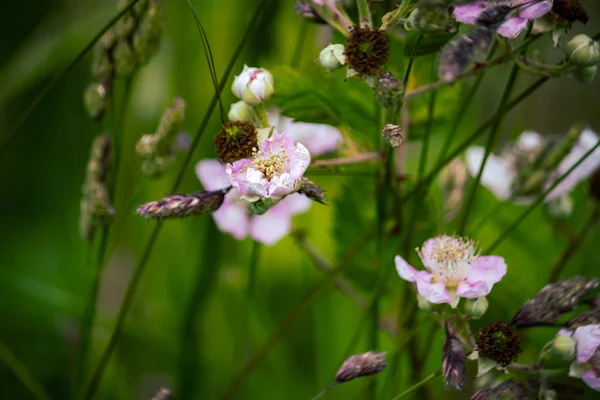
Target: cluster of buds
[
  {"x": 96, "y": 209},
  {"x": 129, "y": 44},
  {"x": 157, "y": 150},
  {"x": 181, "y": 206},
  {"x": 583, "y": 54}
]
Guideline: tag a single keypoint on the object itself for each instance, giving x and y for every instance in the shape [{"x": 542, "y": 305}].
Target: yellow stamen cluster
[
  {"x": 450, "y": 258},
  {"x": 271, "y": 165}
]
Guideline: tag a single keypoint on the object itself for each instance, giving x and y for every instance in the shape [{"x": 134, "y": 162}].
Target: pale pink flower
[
  {"x": 253, "y": 85},
  {"x": 454, "y": 269},
  {"x": 526, "y": 10},
  {"x": 586, "y": 365},
  {"x": 273, "y": 172}
]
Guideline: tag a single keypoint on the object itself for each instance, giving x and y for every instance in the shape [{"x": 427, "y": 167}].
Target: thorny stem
[
  {"x": 360, "y": 158},
  {"x": 574, "y": 245},
  {"x": 50, "y": 85},
  {"x": 22, "y": 373},
  {"x": 468, "y": 204},
  {"x": 141, "y": 266},
  {"x": 418, "y": 385},
  {"x": 539, "y": 200},
  {"x": 364, "y": 14}
]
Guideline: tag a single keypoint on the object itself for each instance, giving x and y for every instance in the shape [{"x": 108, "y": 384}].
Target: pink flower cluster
[{"x": 586, "y": 365}]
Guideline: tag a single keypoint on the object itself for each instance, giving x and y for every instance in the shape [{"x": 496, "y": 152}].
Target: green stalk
[
  {"x": 22, "y": 373},
  {"x": 418, "y": 385},
  {"x": 539, "y": 200},
  {"x": 299, "y": 47},
  {"x": 190, "y": 371},
  {"x": 468, "y": 204},
  {"x": 141, "y": 266},
  {"x": 50, "y": 85},
  {"x": 364, "y": 14}
]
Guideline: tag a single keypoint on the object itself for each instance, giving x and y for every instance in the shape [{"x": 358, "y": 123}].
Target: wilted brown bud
[
  {"x": 499, "y": 342},
  {"x": 181, "y": 206},
  {"x": 311, "y": 190},
  {"x": 304, "y": 9},
  {"x": 453, "y": 359},
  {"x": 392, "y": 135},
  {"x": 358, "y": 365},
  {"x": 96, "y": 209},
  {"x": 554, "y": 300},
  {"x": 236, "y": 140},
  {"x": 389, "y": 90},
  {"x": 367, "y": 50},
  {"x": 595, "y": 185},
  {"x": 163, "y": 394}
]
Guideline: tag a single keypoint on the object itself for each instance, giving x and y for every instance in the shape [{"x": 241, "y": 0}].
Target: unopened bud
[
  {"x": 359, "y": 365},
  {"x": 389, "y": 90},
  {"x": 583, "y": 51},
  {"x": 124, "y": 58},
  {"x": 563, "y": 347},
  {"x": 453, "y": 359},
  {"x": 585, "y": 74},
  {"x": 560, "y": 207},
  {"x": 477, "y": 308},
  {"x": 304, "y": 9},
  {"x": 553, "y": 301},
  {"x": 430, "y": 18},
  {"x": 253, "y": 85},
  {"x": 242, "y": 111},
  {"x": 181, "y": 206},
  {"x": 95, "y": 99},
  {"x": 311, "y": 190},
  {"x": 595, "y": 185},
  {"x": 332, "y": 57},
  {"x": 392, "y": 135}
]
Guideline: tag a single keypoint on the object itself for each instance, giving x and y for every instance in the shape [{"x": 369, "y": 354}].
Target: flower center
[
  {"x": 272, "y": 164},
  {"x": 451, "y": 258}
]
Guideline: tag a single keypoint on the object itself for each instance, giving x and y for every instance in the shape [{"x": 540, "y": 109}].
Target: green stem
[
  {"x": 539, "y": 200},
  {"x": 418, "y": 385},
  {"x": 50, "y": 85},
  {"x": 468, "y": 204},
  {"x": 574, "y": 245},
  {"x": 262, "y": 114},
  {"x": 141, "y": 266},
  {"x": 21, "y": 372},
  {"x": 364, "y": 14},
  {"x": 429, "y": 126},
  {"x": 300, "y": 40}
]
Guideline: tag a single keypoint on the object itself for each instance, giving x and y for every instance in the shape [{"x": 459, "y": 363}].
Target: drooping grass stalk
[
  {"x": 190, "y": 372},
  {"x": 464, "y": 105},
  {"x": 539, "y": 200},
  {"x": 474, "y": 136},
  {"x": 50, "y": 85},
  {"x": 491, "y": 141},
  {"x": 418, "y": 385},
  {"x": 574, "y": 243},
  {"x": 22, "y": 373},
  {"x": 141, "y": 266}
]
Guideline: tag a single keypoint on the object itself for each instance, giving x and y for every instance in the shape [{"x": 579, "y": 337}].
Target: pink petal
[
  {"x": 511, "y": 28},
  {"x": 487, "y": 268},
  {"x": 270, "y": 227},
  {"x": 232, "y": 218},
  {"x": 435, "y": 293},
  {"x": 282, "y": 185},
  {"x": 497, "y": 175},
  {"x": 588, "y": 340},
  {"x": 473, "y": 289},
  {"x": 299, "y": 161},
  {"x": 212, "y": 175},
  {"x": 535, "y": 10},
  {"x": 427, "y": 250},
  {"x": 405, "y": 271},
  {"x": 295, "y": 204},
  {"x": 468, "y": 13},
  {"x": 591, "y": 379}
]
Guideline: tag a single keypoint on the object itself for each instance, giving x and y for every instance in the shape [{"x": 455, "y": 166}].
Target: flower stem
[
  {"x": 539, "y": 200},
  {"x": 418, "y": 385},
  {"x": 262, "y": 114},
  {"x": 468, "y": 204},
  {"x": 20, "y": 370},
  {"x": 364, "y": 14},
  {"x": 574, "y": 245},
  {"x": 141, "y": 266}
]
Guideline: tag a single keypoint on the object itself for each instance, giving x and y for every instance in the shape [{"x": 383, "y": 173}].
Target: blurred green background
[{"x": 192, "y": 327}]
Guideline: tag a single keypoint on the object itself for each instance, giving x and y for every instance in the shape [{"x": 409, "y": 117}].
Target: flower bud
[
  {"x": 586, "y": 74},
  {"x": 95, "y": 99},
  {"x": 583, "y": 51},
  {"x": 389, "y": 90},
  {"x": 242, "y": 111},
  {"x": 332, "y": 57},
  {"x": 563, "y": 347},
  {"x": 392, "y": 135},
  {"x": 430, "y": 18},
  {"x": 477, "y": 308},
  {"x": 358, "y": 365},
  {"x": 253, "y": 85}
]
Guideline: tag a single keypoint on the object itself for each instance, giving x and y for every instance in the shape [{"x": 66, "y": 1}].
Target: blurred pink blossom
[
  {"x": 527, "y": 10},
  {"x": 453, "y": 270},
  {"x": 586, "y": 365}
]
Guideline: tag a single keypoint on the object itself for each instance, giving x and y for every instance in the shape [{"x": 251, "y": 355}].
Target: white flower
[{"x": 253, "y": 85}]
